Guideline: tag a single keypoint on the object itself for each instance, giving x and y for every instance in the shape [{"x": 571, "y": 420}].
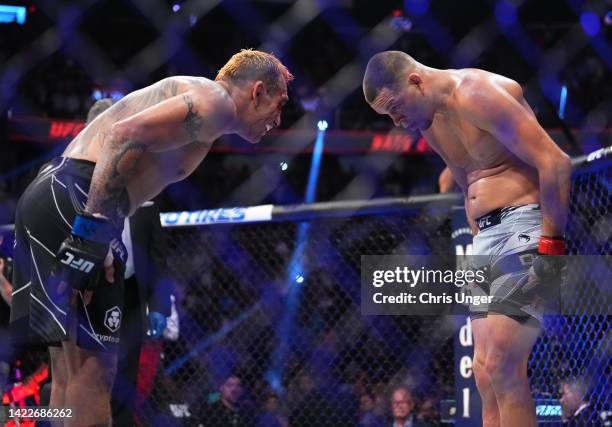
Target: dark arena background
[{"x": 271, "y": 310}]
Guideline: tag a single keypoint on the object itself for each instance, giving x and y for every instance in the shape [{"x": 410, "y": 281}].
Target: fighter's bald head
[{"x": 385, "y": 70}]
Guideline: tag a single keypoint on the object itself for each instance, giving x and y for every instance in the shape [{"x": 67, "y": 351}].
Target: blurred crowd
[
  {"x": 61, "y": 88},
  {"x": 95, "y": 63}
]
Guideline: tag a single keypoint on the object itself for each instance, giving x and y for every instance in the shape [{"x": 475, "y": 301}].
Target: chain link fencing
[{"x": 276, "y": 305}]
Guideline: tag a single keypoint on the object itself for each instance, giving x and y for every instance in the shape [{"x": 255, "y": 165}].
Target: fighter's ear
[
  {"x": 258, "y": 91},
  {"x": 415, "y": 79}
]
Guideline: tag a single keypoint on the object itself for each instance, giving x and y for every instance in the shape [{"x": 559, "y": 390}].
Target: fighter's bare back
[
  {"x": 489, "y": 174},
  {"x": 180, "y": 152}
]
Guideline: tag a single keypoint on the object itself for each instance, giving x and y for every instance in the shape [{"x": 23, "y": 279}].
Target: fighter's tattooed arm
[
  {"x": 193, "y": 121},
  {"x": 111, "y": 176},
  {"x": 164, "y": 126}
]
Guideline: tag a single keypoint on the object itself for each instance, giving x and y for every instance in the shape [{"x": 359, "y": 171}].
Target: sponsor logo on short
[
  {"x": 118, "y": 250},
  {"x": 77, "y": 263},
  {"x": 483, "y": 222},
  {"x": 524, "y": 238},
  {"x": 108, "y": 338},
  {"x": 112, "y": 319}
]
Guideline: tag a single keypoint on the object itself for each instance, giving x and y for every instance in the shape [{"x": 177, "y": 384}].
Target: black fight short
[{"x": 40, "y": 315}]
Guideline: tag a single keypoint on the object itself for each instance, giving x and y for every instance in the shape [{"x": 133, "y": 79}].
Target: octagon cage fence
[
  {"x": 271, "y": 295},
  {"x": 277, "y": 303}
]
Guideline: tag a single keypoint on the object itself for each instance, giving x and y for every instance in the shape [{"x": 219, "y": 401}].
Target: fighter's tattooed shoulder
[{"x": 193, "y": 121}]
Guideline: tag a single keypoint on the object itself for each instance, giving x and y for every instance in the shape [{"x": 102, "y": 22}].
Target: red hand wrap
[{"x": 551, "y": 246}]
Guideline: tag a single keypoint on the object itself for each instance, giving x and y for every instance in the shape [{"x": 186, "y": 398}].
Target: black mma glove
[
  {"x": 549, "y": 262},
  {"x": 81, "y": 256},
  {"x": 547, "y": 267}
]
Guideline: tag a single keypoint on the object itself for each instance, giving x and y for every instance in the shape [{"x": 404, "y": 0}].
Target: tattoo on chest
[{"x": 193, "y": 121}]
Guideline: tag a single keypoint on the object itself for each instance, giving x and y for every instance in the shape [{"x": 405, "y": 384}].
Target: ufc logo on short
[
  {"x": 78, "y": 264},
  {"x": 484, "y": 222}
]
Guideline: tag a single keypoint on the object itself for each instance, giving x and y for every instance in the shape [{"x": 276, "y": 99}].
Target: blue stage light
[
  {"x": 590, "y": 23},
  {"x": 562, "y": 101},
  {"x": 10, "y": 14},
  {"x": 296, "y": 272},
  {"x": 116, "y": 95}
]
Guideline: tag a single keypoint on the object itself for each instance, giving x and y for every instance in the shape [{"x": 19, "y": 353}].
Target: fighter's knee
[
  {"x": 97, "y": 385},
  {"x": 480, "y": 372},
  {"x": 59, "y": 381},
  {"x": 494, "y": 368},
  {"x": 503, "y": 372},
  {"x": 98, "y": 371}
]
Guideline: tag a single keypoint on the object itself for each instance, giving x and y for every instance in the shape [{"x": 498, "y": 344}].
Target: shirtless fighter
[
  {"x": 72, "y": 213},
  {"x": 515, "y": 181}
]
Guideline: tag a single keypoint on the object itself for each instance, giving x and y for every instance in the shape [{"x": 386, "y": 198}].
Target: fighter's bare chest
[
  {"x": 175, "y": 165},
  {"x": 463, "y": 145}
]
